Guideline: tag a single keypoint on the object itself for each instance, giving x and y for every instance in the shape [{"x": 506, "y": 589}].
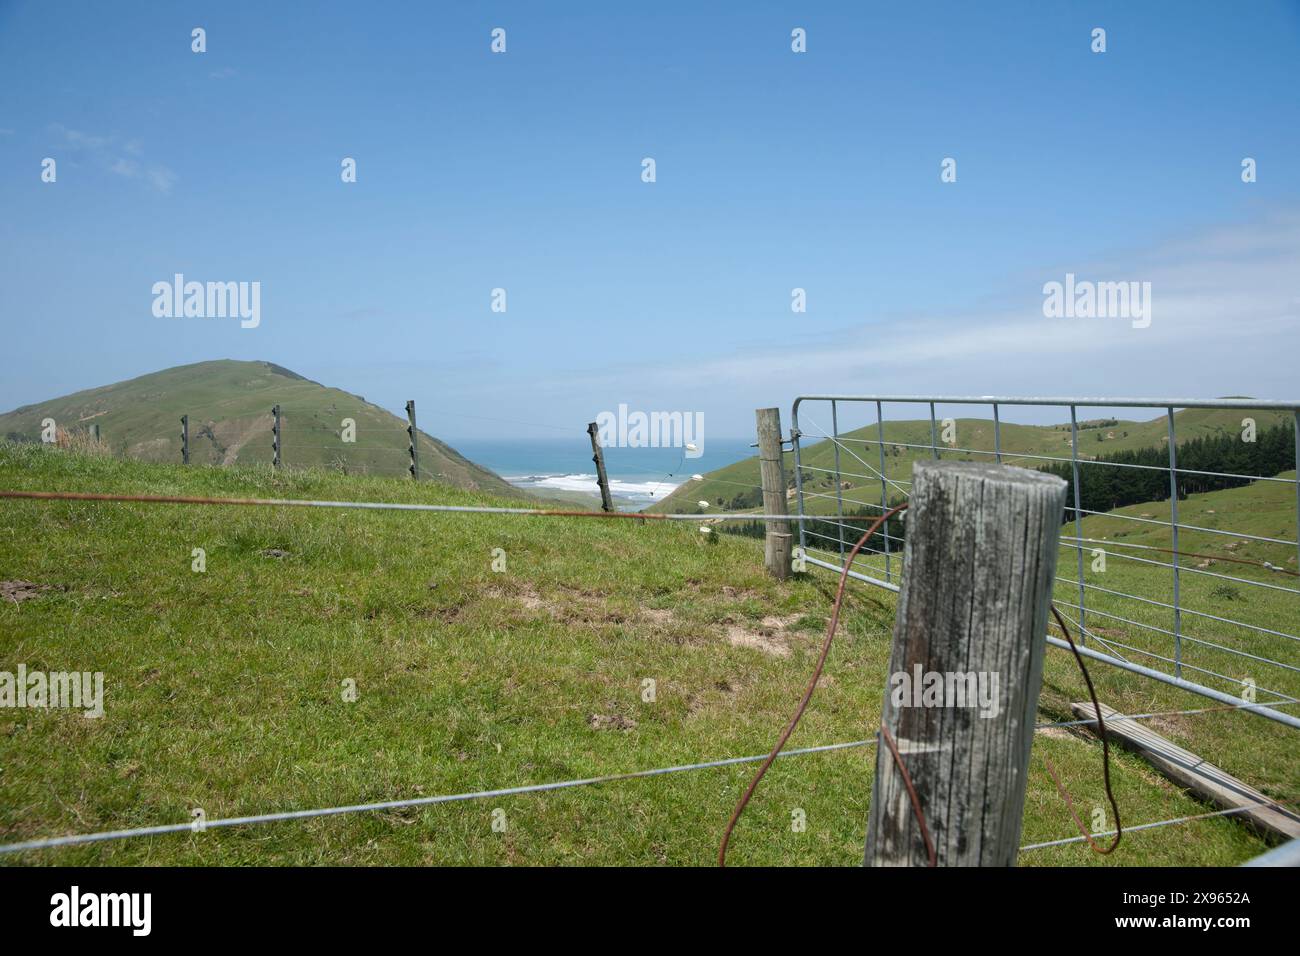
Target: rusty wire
[{"x": 812, "y": 685}]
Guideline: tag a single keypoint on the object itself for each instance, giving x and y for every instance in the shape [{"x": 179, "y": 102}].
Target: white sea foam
[{"x": 638, "y": 490}]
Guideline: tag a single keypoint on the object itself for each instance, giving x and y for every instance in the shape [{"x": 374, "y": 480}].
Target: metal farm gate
[{"x": 1221, "y": 624}]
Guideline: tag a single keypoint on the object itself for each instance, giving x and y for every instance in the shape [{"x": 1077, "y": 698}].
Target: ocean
[{"x": 638, "y": 477}]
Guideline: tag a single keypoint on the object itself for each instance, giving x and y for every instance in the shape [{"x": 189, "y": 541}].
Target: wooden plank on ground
[{"x": 1199, "y": 776}]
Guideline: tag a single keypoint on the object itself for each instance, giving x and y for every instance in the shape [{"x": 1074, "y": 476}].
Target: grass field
[{"x": 223, "y": 688}]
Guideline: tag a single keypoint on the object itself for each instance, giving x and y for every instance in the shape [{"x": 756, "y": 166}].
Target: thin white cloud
[
  {"x": 161, "y": 178},
  {"x": 125, "y": 159},
  {"x": 1225, "y": 319}
]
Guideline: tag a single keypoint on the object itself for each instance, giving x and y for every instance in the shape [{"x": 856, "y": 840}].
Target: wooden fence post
[
  {"x": 598, "y": 456},
  {"x": 978, "y": 564},
  {"x": 185, "y": 439},
  {"x": 771, "y": 465},
  {"x": 275, "y": 437},
  {"x": 414, "y": 434}
]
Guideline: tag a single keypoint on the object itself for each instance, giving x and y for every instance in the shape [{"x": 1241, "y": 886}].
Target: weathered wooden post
[
  {"x": 598, "y": 457},
  {"x": 185, "y": 439},
  {"x": 967, "y": 663},
  {"x": 413, "y": 433},
  {"x": 275, "y": 437},
  {"x": 771, "y": 465}
]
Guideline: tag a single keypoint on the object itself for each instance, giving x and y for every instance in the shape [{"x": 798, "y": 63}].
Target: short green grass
[{"x": 223, "y": 689}]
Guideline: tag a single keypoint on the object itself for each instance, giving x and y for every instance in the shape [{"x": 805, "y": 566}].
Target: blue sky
[{"x": 775, "y": 170}]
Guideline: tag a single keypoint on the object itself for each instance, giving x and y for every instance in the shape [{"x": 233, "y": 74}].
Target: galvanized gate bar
[
  {"x": 1161, "y": 403},
  {"x": 1106, "y": 649}
]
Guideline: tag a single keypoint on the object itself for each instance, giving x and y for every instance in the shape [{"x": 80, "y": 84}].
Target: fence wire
[{"x": 78, "y": 839}]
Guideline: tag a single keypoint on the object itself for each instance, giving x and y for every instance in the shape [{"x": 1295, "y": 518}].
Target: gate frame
[{"x": 1073, "y": 404}]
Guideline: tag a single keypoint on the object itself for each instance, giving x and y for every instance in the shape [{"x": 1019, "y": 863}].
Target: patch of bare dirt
[
  {"x": 532, "y": 601},
  {"x": 232, "y": 436},
  {"x": 720, "y": 694},
  {"x": 610, "y": 722},
  {"x": 524, "y": 594},
  {"x": 19, "y": 591},
  {"x": 585, "y": 606},
  {"x": 1056, "y": 733},
  {"x": 739, "y": 594},
  {"x": 576, "y": 605},
  {"x": 447, "y": 614},
  {"x": 771, "y": 636}
]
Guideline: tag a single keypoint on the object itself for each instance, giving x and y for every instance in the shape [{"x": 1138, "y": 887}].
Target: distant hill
[
  {"x": 229, "y": 407},
  {"x": 735, "y": 487}
]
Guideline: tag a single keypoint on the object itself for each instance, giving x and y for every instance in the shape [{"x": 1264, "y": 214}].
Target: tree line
[{"x": 1105, "y": 484}]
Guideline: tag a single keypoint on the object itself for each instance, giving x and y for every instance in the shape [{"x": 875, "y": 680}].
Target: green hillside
[
  {"x": 736, "y": 486},
  {"x": 229, "y": 406}
]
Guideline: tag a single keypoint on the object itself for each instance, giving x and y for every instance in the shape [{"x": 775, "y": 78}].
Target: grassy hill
[
  {"x": 736, "y": 487},
  {"x": 229, "y": 406},
  {"x": 223, "y": 687}
]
